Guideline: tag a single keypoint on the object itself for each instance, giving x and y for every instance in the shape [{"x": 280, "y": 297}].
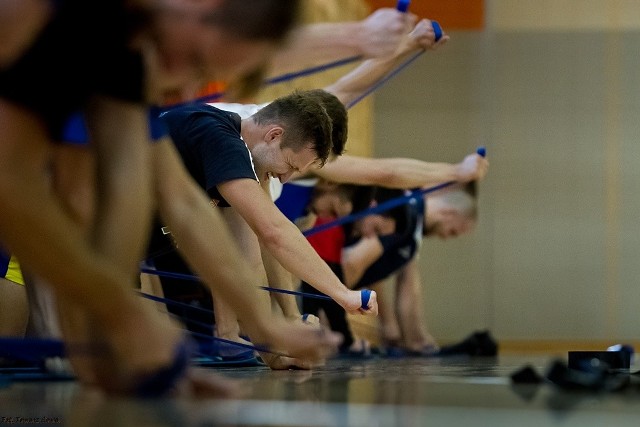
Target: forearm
[
  {"x": 318, "y": 43},
  {"x": 410, "y": 173},
  {"x": 376, "y": 36},
  {"x": 285, "y": 242},
  {"x": 291, "y": 249},
  {"x": 352, "y": 85},
  {"x": 389, "y": 172}
]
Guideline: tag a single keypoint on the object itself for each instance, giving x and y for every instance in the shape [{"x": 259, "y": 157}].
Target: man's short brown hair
[
  {"x": 304, "y": 120},
  {"x": 339, "y": 119}
]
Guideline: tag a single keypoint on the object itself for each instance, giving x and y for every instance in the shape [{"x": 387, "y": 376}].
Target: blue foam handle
[
  {"x": 437, "y": 29},
  {"x": 482, "y": 151},
  {"x": 365, "y": 295},
  {"x": 403, "y": 5}
]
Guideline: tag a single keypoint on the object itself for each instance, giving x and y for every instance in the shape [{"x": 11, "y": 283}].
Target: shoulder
[
  {"x": 243, "y": 110},
  {"x": 201, "y": 118}
]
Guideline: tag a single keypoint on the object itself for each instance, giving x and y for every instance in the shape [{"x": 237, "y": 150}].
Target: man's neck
[{"x": 248, "y": 128}]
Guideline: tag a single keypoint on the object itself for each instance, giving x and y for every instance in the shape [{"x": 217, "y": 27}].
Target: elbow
[{"x": 272, "y": 236}]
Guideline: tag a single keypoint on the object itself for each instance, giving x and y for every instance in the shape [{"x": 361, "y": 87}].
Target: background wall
[{"x": 552, "y": 89}]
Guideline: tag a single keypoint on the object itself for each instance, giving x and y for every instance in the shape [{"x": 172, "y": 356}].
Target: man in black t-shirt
[{"x": 233, "y": 159}]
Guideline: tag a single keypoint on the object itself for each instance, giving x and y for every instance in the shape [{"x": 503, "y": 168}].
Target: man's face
[
  {"x": 192, "y": 49},
  {"x": 450, "y": 225},
  {"x": 275, "y": 162}
]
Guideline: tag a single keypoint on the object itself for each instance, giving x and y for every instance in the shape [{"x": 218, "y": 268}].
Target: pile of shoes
[
  {"x": 593, "y": 371},
  {"x": 480, "y": 343}
]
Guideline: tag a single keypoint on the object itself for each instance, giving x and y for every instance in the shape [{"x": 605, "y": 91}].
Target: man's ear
[{"x": 274, "y": 133}]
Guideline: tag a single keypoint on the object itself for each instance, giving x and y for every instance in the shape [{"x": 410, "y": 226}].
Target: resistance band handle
[
  {"x": 482, "y": 151},
  {"x": 403, "y": 5},
  {"x": 365, "y": 295},
  {"x": 437, "y": 29}
]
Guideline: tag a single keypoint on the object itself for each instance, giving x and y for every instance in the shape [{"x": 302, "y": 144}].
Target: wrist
[
  {"x": 355, "y": 39},
  {"x": 342, "y": 297},
  {"x": 459, "y": 173}
]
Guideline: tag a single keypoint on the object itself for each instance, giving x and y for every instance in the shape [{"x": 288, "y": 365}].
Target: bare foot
[
  {"x": 297, "y": 344},
  {"x": 425, "y": 346},
  {"x": 279, "y": 362}
]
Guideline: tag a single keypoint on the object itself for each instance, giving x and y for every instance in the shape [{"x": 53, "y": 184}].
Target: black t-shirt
[
  {"x": 210, "y": 145},
  {"x": 84, "y": 50},
  {"x": 399, "y": 247},
  {"x": 209, "y": 142}
]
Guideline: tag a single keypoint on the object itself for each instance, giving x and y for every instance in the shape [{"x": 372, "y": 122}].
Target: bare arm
[
  {"x": 401, "y": 172},
  {"x": 123, "y": 180},
  {"x": 283, "y": 239},
  {"x": 355, "y": 83},
  {"x": 410, "y": 308},
  {"x": 377, "y": 35},
  {"x": 35, "y": 226}
]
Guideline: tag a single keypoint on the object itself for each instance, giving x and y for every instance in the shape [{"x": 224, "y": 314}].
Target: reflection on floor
[{"x": 373, "y": 392}]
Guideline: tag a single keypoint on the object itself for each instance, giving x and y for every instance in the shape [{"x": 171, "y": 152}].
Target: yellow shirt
[{"x": 14, "y": 273}]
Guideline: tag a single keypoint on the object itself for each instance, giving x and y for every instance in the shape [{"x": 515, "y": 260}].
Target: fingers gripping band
[
  {"x": 403, "y": 6},
  {"x": 437, "y": 29},
  {"x": 365, "y": 295}
]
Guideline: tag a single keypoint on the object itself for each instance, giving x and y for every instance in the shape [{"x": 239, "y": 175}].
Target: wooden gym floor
[{"x": 367, "y": 392}]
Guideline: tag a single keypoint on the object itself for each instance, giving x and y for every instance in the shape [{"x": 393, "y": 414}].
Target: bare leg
[
  {"x": 390, "y": 333},
  {"x": 14, "y": 310},
  {"x": 43, "y": 311},
  {"x": 150, "y": 284},
  {"x": 410, "y": 309},
  {"x": 226, "y": 320},
  {"x": 227, "y": 325},
  {"x": 73, "y": 177}
]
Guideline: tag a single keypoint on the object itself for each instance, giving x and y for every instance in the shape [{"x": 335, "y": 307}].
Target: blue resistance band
[
  {"x": 193, "y": 278},
  {"x": 383, "y": 207},
  {"x": 402, "y": 6},
  {"x": 389, "y": 204}
]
